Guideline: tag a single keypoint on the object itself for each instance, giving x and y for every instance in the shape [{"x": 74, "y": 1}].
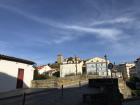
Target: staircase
[{"x": 124, "y": 89}]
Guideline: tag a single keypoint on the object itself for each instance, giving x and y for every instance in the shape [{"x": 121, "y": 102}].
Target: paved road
[
  {"x": 20, "y": 91},
  {"x": 71, "y": 96},
  {"x": 132, "y": 103}
]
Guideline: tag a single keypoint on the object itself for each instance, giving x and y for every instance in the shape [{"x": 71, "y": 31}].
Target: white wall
[
  {"x": 128, "y": 66},
  {"x": 10, "y": 68},
  {"x": 101, "y": 69},
  {"x": 66, "y": 69}
]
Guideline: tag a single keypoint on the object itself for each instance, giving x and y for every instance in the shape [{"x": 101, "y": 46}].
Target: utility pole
[
  {"x": 96, "y": 68},
  {"x": 106, "y": 64},
  {"x": 76, "y": 64}
]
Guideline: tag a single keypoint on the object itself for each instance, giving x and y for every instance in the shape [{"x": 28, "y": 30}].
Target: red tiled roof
[{"x": 40, "y": 67}]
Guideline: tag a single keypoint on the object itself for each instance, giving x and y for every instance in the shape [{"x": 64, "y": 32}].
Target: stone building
[{"x": 60, "y": 59}]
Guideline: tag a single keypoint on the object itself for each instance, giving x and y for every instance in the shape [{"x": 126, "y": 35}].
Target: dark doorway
[
  {"x": 20, "y": 78},
  {"x": 84, "y": 71}
]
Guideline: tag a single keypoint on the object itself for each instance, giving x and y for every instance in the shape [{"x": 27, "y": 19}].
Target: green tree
[{"x": 35, "y": 74}]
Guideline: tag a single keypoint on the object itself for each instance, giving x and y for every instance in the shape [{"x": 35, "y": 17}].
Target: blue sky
[{"x": 40, "y": 29}]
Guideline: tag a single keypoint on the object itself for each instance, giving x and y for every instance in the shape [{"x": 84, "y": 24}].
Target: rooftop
[{"x": 10, "y": 58}]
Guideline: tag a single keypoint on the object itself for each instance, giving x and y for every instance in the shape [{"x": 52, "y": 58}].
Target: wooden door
[{"x": 20, "y": 78}]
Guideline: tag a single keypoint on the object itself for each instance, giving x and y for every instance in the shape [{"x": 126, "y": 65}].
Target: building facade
[
  {"x": 15, "y": 73},
  {"x": 97, "y": 66},
  {"x": 132, "y": 71},
  {"x": 137, "y": 65},
  {"x": 71, "y": 69},
  {"x": 125, "y": 69}
]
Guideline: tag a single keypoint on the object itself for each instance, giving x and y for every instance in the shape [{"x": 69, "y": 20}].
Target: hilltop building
[{"x": 62, "y": 60}]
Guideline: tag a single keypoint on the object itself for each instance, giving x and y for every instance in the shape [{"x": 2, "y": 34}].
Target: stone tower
[{"x": 60, "y": 59}]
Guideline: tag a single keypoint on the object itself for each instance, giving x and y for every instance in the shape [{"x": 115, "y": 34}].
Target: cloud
[
  {"x": 62, "y": 39},
  {"x": 110, "y": 33},
  {"x": 106, "y": 33},
  {"x": 117, "y": 20}
]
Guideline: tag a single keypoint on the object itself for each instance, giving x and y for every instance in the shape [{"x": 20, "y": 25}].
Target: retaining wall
[{"x": 58, "y": 82}]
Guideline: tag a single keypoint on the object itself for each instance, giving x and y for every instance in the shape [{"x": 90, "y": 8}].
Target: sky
[{"x": 39, "y": 30}]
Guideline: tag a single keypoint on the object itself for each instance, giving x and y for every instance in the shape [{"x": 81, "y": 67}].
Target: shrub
[
  {"x": 35, "y": 74},
  {"x": 71, "y": 74},
  {"x": 57, "y": 74},
  {"x": 134, "y": 79},
  {"x": 136, "y": 92},
  {"x": 131, "y": 85},
  {"x": 41, "y": 77}
]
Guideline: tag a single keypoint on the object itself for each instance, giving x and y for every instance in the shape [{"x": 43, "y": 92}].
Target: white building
[
  {"x": 125, "y": 69},
  {"x": 71, "y": 69},
  {"x": 128, "y": 68},
  {"x": 45, "y": 69},
  {"x": 15, "y": 73},
  {"x": 97, "y": 66}
]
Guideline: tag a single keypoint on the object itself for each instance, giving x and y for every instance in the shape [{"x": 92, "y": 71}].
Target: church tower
[{"x": 60, "y": 59}]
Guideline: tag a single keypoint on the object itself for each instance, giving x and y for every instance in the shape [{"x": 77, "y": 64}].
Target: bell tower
[{"x": 60, "y": 59}]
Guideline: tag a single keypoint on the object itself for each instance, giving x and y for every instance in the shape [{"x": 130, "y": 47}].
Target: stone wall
[
  {"x": 58, "y": 82},
  {"x": 50, "y": 83},
  {"x": 124, "y": 89}
]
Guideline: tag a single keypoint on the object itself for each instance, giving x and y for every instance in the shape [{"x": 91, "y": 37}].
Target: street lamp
[{"x": 76, "y": 64}]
